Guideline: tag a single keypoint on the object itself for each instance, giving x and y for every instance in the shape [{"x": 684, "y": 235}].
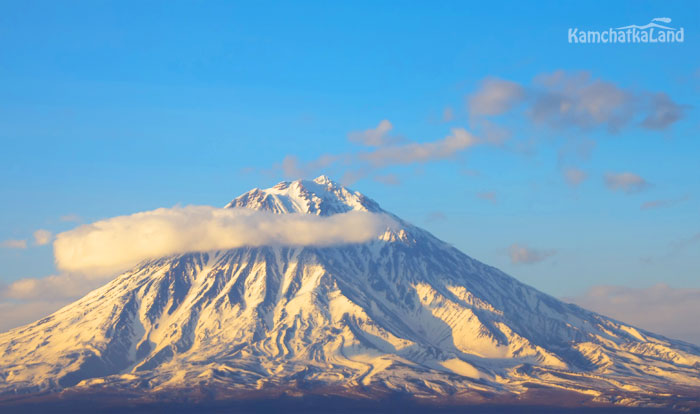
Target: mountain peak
[
  {"x": 322, "y": 196},
  {"x": 407, "y": 313},
  {"x": 323, "y": 179}
]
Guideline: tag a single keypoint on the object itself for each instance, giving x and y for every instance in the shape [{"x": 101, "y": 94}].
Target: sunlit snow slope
[{"x": 405, "y": 312}]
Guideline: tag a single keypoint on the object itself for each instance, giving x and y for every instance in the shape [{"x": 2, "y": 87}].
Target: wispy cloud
[
  {"x": 389, "y": 153},
  {"x": 13, "y": 244},
  {"x": 42, "y": 237},
  {"x": 50, "y": 288},
  {"x": 663, "y": 112},
  {"x": 16, "y": 314},
  {"x": 489, "y": 196},
  {"x": 373, "y": 137},
  {"x": 648, "y": 205},
  {"x": 493, "y": 133},
  {"x": 411, "y": 153},
  {"x": 294, "y": 168},
  {"x": 564, "y": 99},
  {"x": 577, "y": 149},
  {"x": 669, "y": 311},
  {"x": 626, "y": 182},
  {"x": 520, "y": 254},
  {"x": 71, "y": 218},
  {"x": 495, "y": 97},
  {"x": 561, "y": 100},
  {"x": 577, "y": 100},
  {"x": 112, "y": 245},
  {"x": 448, "y": 114},
  {"x": 27, "y": 300},
  {"x": 574, "y": 177},
  {"x": 388, "y": 179}
]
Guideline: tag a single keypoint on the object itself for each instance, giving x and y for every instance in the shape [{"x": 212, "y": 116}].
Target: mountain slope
[{"x": 405, "y": 312}]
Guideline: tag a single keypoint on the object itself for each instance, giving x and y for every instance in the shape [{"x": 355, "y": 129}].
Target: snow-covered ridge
[
  {"x": 403, "y": 312},
  {"x": 321, "y": 196}
]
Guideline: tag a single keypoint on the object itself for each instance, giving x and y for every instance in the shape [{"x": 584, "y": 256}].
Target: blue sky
[{"x": 111, "y": 108}]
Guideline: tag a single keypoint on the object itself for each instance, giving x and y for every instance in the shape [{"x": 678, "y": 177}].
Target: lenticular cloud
[{"x": 114, "y": 244}]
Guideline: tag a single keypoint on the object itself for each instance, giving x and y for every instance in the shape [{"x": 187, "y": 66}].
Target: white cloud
[
  {"x": 373, "y": 137},
  {"x": 14, "y": 244},
  {"x": 669, "y": 311},
  {"x": 50, "y": 288},
  {"x": 42, "y": 237},
  {"x": 357, "y": 165},
  {"x": 447, "y": 147},
  {"x": 496, "y": 96},
  {"x": 108, "y": 246},
  {"x": 520, "y": 254},
  {"x": 626, "y": 182}
]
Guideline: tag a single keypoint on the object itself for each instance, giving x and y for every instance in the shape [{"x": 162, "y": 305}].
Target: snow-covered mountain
[{"x": 405, "y": 312}]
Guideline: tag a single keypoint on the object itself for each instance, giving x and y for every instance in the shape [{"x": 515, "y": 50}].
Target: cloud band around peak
[{"x": 112, "y": 245}]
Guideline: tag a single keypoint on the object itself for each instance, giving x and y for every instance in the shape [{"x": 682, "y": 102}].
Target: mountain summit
[
  {"x": 404, "y": 313},
  {"x": 321, "y": 196}
]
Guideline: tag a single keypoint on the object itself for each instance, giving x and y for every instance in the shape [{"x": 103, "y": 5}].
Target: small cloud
[
  {"x": 293, "y": 168},
  {"x": 16, "y": 314},
  {"x": 520, "y": 254},
  {"x": 14, "y": 244},
  {"x": 71, "y": 218},
  {"x": 662, "y": 112},
  {"x": 42, "y": 237},
  {"x": 626, "y": 182},
  {"x": 27, "y": 300},
  {"x": 435, "y": 216},
  {"x": 447, "y": 114},
  {"x": 356, "y": 165},
  {"x": 495, "y": 134},
  {"x": 495, "y": 97},
  {"x": 648, "y": 205},
  {"x": 489, "y": 196},
  {"x": 574, "y": 176},
  {"x": 53, "y": 287},
  {"x": 447, "y": 147},
  {"x": 374, "y": 137},
  {"x": 388, "y": 179}
]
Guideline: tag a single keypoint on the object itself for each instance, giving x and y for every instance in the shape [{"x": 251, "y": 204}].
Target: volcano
[{"x": 402, "y": 314}]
